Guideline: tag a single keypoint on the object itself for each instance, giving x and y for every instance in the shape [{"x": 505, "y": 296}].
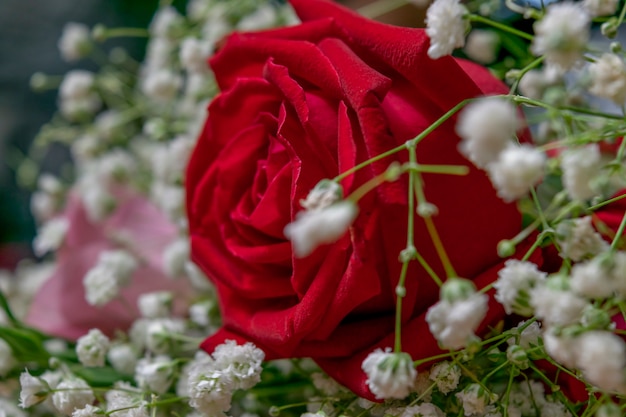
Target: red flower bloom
[{"x": 304, "y": 103}]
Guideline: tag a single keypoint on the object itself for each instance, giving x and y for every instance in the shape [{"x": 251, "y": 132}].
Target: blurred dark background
[{"x": 29, "y": 31}]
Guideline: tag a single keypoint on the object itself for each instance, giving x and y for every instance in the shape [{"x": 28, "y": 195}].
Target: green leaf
[{"x": 26, "y": 344}]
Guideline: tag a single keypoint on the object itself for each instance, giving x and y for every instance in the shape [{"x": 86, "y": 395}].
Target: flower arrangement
[{"x": 363, "y": 224}]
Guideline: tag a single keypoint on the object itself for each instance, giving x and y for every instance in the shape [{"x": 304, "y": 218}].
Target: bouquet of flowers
[{"x": 360, "y": 223}]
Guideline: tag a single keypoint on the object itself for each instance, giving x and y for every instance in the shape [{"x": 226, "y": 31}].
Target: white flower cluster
[
  {"x": 92, "y": 348},
  {"x": 112, "y": 272},
  {"x": 325, "y": 219},
  {"x": 389, "y": 374},
  {"x": 211, "y": 381},
  {"x": 445, "y": 27},
  {"x": 487, "y": 128},
  {"x": 562, "y": 35},
  {"x": 458, "y": 313}
]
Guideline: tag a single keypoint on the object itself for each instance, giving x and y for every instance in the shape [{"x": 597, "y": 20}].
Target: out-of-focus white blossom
[
  {"x": 580, "y": 166},
  {"x": 445, "y": 27},
  {"x": 113, "y": 271},
  {"x": 123, "y": 357},
  {"x": 562, "y": 34},
  {"x": 34, "y": 390},
  {"x": 600, "y": 277},
  {"x": 313, "y": 228},
  {"x": 71, "y": 394},
  {"x": 92, "y": 348},
  {"x": 165, "y": 22},
  {"x": 608, "y": 78},
  {"x": 160, "y": 334},
  {"x": 600, "y": 7},
  {"x": 578, "y": 239},
  {"x": 264, "y": 17},
  {"x": 51, "y": 235},
  {"x": 556, "y": 306},
  {"x": 517, "y": 169},
  {"x": 75, "y": 42},
  {"x": 88, "y": 411},
  {"x": 514, "y": 284},
  {"x": 486, "y": 127},
  {"x": 175, "y": 255},
  {"x": 601, "y": 356},
  {"x": 155, "y": 304},
  {"x": 453, "y": 320},
  {"x": 155, "y": 374},
  {"x": 162, "y": 85},
  {"x": 482, "y": 45}
]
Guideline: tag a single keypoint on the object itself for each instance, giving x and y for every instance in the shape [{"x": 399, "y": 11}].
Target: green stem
[
  {"x": 440, "y": 169},
  {"x": 397, "y": 347},
  {"x": 604, "y": 203},
  {"x": 619, "y": 233},
  {"x": 498, "y": 25},
  {"x": 126, "y": 32},
  {"x": 428, "y": 269},
  {"x": 379, "y": 8}
]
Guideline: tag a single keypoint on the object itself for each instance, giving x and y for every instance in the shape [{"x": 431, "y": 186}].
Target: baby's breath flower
[
  {"x": 88, "y": 411},
  {"x": 161, "y": 85},
  {"x": 194, "y": 53},
  {"x": 453, "y": 321},
  {"x": 34, "y": 390},
  {"x": 562, "y": 34},
  {"x": 515, "y": 281},
  {"x": 446, "y": 375},
  {"x": 72, "y": 393},
  {"x": 165, "y": 22},
  {"x": 578, "y": 239},
  {"x": 155, "y": 305},
  {"x": 92, "y": 348},
  {"x": 474, "y": 399},
  {"x": 486, "y": 127},
  {"x": 389, "y": 374},
  {"x": 75, "y": 42},
  {"x": 160, "y": 334},
  {"x": 127, "y": 399},
  {"x": 313, "y": 228},
  {"x": 608, "y": 78},
  {"x": 423, "y": 410},
  {"x": 325, "y": 384},
  {"x": 323, "y": 195},
  {"x": 561, "y": 348},
  {"x": 482, "y": 46},
  {"x": 242, "y": 363},
  {"x": 51, "y": 235},
  {"x": 529, "y": 337},
  {"x": 210, "y": 391},
  {"x": 517, "y": 169},
  {"x": 600, "y": 277},
  {"x": 262, "y": 18},
  {"x": 556, "y": 306},
  {"x": 533, "y": 84},
  {"x": 445, "y": 27},
  {"x": 580, "y": 166},
  {"x": 123, "y": 357},
  {"x": 113, "y": 271},
  {"x": 601, "y": 7},
  {"x": 601, "y": 356},
  {"x": 155, "y": 374}
]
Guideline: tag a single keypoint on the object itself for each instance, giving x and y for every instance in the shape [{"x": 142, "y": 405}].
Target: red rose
[{"x": 305, "y": 103}]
